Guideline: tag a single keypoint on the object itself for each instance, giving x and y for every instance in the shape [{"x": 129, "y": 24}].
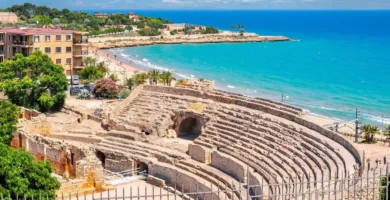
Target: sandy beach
[{"x": 122, "y": 70}]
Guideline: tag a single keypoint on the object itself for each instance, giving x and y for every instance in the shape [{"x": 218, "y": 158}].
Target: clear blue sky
[{"x": 207, "y": 4}]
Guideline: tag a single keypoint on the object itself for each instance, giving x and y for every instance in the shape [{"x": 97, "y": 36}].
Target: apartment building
[{"x": 64, "y": 47}]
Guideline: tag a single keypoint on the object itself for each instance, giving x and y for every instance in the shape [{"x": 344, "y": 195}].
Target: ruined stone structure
[
  {"x": 188, "y": 135},
  {"x": 69, "y": 159}
]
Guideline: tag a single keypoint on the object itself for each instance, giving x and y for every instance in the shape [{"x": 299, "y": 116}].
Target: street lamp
[{"x": 357, "y": 126}]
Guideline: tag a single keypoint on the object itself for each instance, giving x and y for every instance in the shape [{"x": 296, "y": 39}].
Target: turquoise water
[{"x": 327, "y": 72}]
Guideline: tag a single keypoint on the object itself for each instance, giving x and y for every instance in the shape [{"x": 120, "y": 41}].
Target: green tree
[
  {"x": 114, "y": 77},
  {"x": 55, "y": 21},
  {"x": 154, "y": 74},
  {"x": 141, "y": 78},
  {"x": 369, "y": 132},
  {"x": 210, "y": 30},
  {"x": 34, "y": 82},
  {"x": 130, "y": 82},
  {"x": 167, "y": 77},
  {"x": 9, "y": 115},
  {"x": 21, "y": 175},
  {"x": 90, "y": 61},
  {"x": 148, "y": 32},
  {"x": 386, "y": 132},
  {"x": 91, "y": 73},
  {"x": 103, "y": 68},
  {"x": 44, "y": 21},
  {"x": 129, "y": 28}
]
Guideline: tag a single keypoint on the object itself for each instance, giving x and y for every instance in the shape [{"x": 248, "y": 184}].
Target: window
[
  {"x": 36, "y": 38},
  {"x": 58, "y": 61},
  {"x": 9, "y": 49},
  {"x": 47, "y": 50},
  {"x": 9, "y": 37},
  {"x": 58, "y": 49},
  {"x": 68, "y": 61},
  {"x": 47, "y": 38},
  {"x": 68, "y": 49},
  {"x": 58, "y": 37},
  {"x": 68, "y": 37}
]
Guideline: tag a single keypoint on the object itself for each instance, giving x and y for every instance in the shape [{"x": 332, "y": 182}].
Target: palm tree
[
  {"x": 90, "y": 61},
  {"x": 103, "y": 68},
  {"x": 130, "y": 82},
  {"x": 141, "y": 78},
  {"x": 154, "y": 74},
  {"x": 167, "y": 77},
  {"x": 386, "y": 132},
  {"x": 233, "y": 26},
  {"x": 369, "y": 132}
]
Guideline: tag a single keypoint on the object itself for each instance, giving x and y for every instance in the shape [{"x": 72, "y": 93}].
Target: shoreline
[
  {"x": 104, "y": 47},
  {"x": 119, "y": 42},
  {"x": 313, "y": 117}
]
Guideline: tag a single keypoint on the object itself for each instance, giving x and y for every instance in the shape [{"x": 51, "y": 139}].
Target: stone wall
[
  {"x": 118, "y": 165},
  {"x": 134, "y": 94},
  {"x": 255, "y": 180},
  {"x": 256, "y": 106},
  {"x": 8, "y": 17},
  {"x": 64, "y": 157},
  {"x": 181, "y": 179},
  {"x": 229, "y": 165},
  {"x": 29, "y": 113},
  {"x": 199, "y": 153}
]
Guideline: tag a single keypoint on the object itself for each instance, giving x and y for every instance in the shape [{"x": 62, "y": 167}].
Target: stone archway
[
  {"x": 100, "y": 155},
  {"x": 188, "y": 125},
  {"x": 143, "y": 167}
]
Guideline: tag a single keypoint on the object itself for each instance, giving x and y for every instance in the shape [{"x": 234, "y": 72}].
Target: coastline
[
  {"x": 118, "y": 42},
  {"x": 104, "y": 44},
  {"x": 312, "y": 117}
]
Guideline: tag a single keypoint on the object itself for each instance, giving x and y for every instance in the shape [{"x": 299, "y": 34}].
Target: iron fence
[{"x": 371, "y": 185}]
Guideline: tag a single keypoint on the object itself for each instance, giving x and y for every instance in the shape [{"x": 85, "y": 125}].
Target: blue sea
[{"x": 339, "y": 61}]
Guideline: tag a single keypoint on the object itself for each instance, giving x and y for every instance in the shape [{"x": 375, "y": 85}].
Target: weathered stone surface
[
  {"x": 199, "y": 153},
  {"x": 229, "y": 165}
]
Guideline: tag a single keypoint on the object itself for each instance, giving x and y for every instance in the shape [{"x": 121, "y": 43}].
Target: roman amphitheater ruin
[{"x": 192, "y": 136}]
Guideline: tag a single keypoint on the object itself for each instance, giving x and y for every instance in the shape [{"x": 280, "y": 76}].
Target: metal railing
[
  {"x": 372, "y": 185},
  {"x": 85, "y": 41},
  {"x": 22, "y": 43},
  {"x": 80, "y": 53}
]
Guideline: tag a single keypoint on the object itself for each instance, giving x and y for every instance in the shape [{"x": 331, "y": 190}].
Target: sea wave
[
  {"x": 231, "y": 86},
  {"x": 376, "y": 118}
]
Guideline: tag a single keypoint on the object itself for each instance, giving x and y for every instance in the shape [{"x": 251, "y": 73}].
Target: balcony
[
  {"x": 80, "y": 53},
  {"x": 79, "y": 65},
  {"x": 80, "y": 42},
  {"x": 1, "y": 42},
  {"x": 22, "y": 43},
  {"x": 1, "y": 53}
]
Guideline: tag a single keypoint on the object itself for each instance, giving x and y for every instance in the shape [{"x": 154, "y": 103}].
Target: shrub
[
  {"x": 106, "y": 88},
  {"x": 84, "y": 95},
  {"x": 9, "y": 114},
  {"x": 114, "y": 77},
  {"x": 124, "y": 93}
]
